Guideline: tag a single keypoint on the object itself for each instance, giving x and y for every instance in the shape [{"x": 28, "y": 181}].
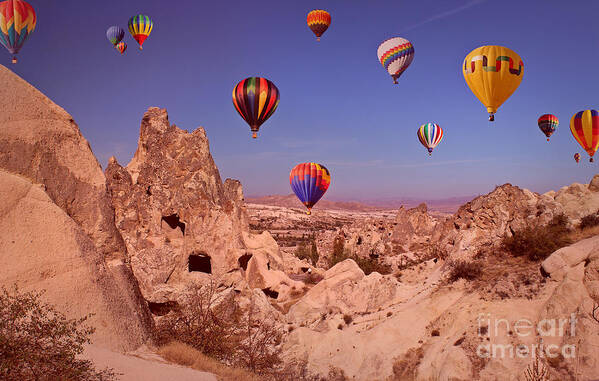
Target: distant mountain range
[{"x": 446, "y": 205}]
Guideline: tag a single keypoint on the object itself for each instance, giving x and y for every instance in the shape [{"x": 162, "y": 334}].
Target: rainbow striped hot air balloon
[
  {"x": 430, "y": 135},
  {"x": 396, "y": 54},
  {"x": 255, "y": 99},
  {"x": 318, "y": 21},
  {"x": 584, "y": 126},
  {"x": 140, "y": 27},
  {"x": 17, "y": 21},
  {"x": 548, "y": 123},
  {"x": 309, "y": 182}
]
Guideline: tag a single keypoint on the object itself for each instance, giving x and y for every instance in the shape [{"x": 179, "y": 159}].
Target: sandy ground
[{"x": 143, "y": 366}]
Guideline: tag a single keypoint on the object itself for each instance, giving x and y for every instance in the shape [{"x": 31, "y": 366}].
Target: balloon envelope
[
  {"x": 255, "y": 99},
  {"x": 115, "y": 34},
  {"x": 17, "y": 21},
  {"x": 430, "y": 135},
  {"x": 121, "y": 47},
  {"x": 140, "y": 27},
  {"x": 395, "y": 54},
  {"x": 548, "y": 123},
  {"x": 584, "y": 126},
  {"x": 493, "y": 85},
  {"x": 309, "y": 182},
  {"x": 318, "y": 21}
]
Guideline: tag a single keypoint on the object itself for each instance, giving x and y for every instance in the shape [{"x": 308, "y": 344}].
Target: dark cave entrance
[
  {"x": 200, "y": 263},
  {"x": 174, "y": 222},
  {"x": 243, "y": 261}
]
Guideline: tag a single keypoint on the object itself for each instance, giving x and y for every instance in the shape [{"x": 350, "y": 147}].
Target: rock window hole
[{"x": 200, "y": 263}]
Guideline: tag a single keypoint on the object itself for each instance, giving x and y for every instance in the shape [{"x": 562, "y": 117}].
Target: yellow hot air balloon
[{"x": 493, "y": 85}]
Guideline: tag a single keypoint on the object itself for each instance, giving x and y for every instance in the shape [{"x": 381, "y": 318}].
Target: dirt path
[{"x": 143, "y": 366}]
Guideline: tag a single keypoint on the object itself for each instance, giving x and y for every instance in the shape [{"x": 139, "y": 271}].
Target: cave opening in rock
[
  {"x": 200, "y": 263},
  {"x": 161, "y": 309},
  {"x": 174, "y": 222},
  {"x": 243, "y": 261},
  {"x": 270, "y": 293}
]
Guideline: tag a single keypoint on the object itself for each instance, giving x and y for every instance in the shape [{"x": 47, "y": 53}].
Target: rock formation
[
  {"x": 484, "y": 221},
  {"x": 59, "y": 232},
  {"x": 181, "y": 223}
]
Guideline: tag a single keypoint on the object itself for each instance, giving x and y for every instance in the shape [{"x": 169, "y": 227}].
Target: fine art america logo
[{"x": 489, "y": 327}]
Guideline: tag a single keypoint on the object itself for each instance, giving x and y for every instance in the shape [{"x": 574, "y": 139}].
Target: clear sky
[{"x": 338, "y": 105}]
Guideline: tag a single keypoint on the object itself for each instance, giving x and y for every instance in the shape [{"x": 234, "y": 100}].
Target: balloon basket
[
  {"x": 309, "y": 212},
  {"x": 317, "y": 38},
  {"x": 547, "y": 139},
  {"x": 254, "y": 135},
  {"x": 141, "y": 47},
  {"x": 14, "y": 60},
  {"x": 591, "y": 160},
  {"x": 491, "y": 117}
]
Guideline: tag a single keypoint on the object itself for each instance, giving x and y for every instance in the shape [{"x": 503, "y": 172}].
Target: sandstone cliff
[{"x": 69, "y": 244}]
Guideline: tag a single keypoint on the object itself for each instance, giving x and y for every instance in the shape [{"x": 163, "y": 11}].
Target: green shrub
[
  {"x": 39, "y": 343},
  {"x": 538, "y": 242}
]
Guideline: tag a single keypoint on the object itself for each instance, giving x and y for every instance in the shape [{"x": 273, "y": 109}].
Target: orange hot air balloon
[
  {"x": 319, "y": 21},
  {"x": 584, "y": 126}
]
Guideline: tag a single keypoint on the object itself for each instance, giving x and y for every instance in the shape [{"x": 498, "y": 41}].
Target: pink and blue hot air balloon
[{"x": 309, "y": 182}]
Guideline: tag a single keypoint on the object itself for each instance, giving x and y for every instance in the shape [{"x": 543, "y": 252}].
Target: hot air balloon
[
  {"x": 255, "y": 99},
  {"x": 548, "y": 123},
  {"x": 584, "y": 126},
  {"x": 140, "y": 27},
  {"x": 17, "y": 21},
  {"x": 577, "y": 157},
  {"x": 115, "y": 34},
  {"x": 121, "y": 47},
  {"x": 493, "y": 85},
  {"x": 319, "y": 21},
  {"x": 396, "y": 54},
  {"x": 430, "y": 134},
  {"x": 309, "y": 182}
]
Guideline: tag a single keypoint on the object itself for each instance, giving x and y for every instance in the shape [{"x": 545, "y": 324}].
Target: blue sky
[{"x": 338, "y": 105}]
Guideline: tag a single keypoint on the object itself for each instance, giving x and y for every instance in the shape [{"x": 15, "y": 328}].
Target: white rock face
[{"x": 42, "y": 248}]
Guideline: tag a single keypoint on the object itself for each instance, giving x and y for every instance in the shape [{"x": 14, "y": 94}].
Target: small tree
[
  {"x": 339, "y": 253},
  {"x": 314, "y": 252},
  {"x": 38, "y": 342}
]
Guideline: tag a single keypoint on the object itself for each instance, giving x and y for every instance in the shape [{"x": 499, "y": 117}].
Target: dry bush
[
  {"x": 435, "y": 250},
  {"x": 202, "y": 323},
  {"x": 187, "y": 355},
  {"x": 537, "y": 370},
  {"x": 221, "y": 330},
  {"x": 256, "y": 349},
  {"x": 39, "y": 343},
  {"x": 370, "y": 265},
  {"x": 404, "y": 367},
  {"x": 464, "y": 270},
  {"x": 589, "y": 221},
  {"x": 538, "y": 242}
]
